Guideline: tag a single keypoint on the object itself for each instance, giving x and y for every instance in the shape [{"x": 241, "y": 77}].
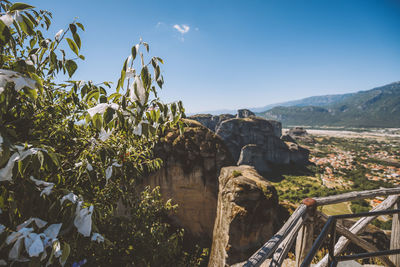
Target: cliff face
[
  {"x": 248, "y": 214},
  {"x": 243, "y": 131},
  {"x": 234, "y": 208},
  {"x": 189, "y": 176}
]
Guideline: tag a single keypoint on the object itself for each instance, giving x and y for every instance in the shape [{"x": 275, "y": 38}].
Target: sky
[{"x": 221, "y": 54}]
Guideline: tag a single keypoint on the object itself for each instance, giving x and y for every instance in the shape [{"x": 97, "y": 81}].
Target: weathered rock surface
[
  {"x": 248, "y": 214},
  {"x": 299, "y": 133},
  {"x": 240, "y": 132},
  {"x": 211, "y": 121},
  {"x": 256, "y": 142},
  {"x": 244, "y": 113},
  {"x": 253, "y": 155},
  {"x": 189, "y": 176},
  {"x": 287, "y": 138}
]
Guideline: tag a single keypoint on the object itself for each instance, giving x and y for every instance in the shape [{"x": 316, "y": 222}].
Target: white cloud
[
  {"x": 183, "y": 28},
  {"x": 160, "y": 23}
]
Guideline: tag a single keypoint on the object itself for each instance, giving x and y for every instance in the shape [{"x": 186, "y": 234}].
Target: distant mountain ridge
[
  {"x": 378, "y": 107},
  {"x": 323, "y": 100}
]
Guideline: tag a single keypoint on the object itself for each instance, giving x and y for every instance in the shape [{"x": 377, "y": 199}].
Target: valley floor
[{"x": 345, "y": 160}]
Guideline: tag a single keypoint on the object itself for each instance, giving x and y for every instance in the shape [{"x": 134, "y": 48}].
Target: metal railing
[{"x": 330, "y": 229}]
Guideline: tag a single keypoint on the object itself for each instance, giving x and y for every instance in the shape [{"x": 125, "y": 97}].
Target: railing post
[
  {"x": 304, "y": 240},
  {"x": 395, "y": 236}
]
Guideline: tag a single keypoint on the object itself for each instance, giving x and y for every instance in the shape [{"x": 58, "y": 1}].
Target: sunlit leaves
[
  {"x": 26, "y": 25},
  {"x": 73, "y": 46},
  {"x": 80, "y": 26},
  {"x": 54, "y": 117},
  {"x": 20, "y": 6},
  {"x": 76, "y": 37}
]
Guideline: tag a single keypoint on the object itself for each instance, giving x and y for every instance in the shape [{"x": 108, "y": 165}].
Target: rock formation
[
  {"x": 247, "y": 215},
  {"x": 299, "y": 133},
  {"x": 189, "y": 176},
  {"x": 244, "y": 113},
  {"x": 211, "y": 121},
  {"x": 255, "y": 141},
  {"x": 240, "y": 132}
]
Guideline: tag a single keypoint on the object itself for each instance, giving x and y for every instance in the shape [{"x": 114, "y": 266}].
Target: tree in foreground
[{"x": 71, "y": 155}]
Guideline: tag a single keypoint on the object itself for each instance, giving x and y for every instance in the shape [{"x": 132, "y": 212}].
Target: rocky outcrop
[
  {"x": 248, "y": 214},
  {"x": 299, "y": 133},
  {"x": 211, "y": 121},
  {"x": 253, "y": 155},
  {"x": 244, "y": 113},
  {"x": 189, "y": 176},
  {"x": 240, "y": 132},
  {"x": 288, "y": 138},
  {"x": 256, "y": 142}
]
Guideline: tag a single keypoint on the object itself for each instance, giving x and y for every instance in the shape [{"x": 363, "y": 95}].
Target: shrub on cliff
[{"x": 70, "y": 153}]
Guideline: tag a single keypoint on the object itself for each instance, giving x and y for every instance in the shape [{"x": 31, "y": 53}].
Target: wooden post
[
  {"x": 304, "y": 240},
  {"x": 395, "y": 237}
]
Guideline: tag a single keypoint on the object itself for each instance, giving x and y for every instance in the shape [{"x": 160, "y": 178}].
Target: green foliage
[
  {"x": 294, "y": 189},
  {"x": 359, "y": 206},
  {"x": 72, "y": 139},
  {"x": 384, "y": 225},
  {"x": 360, "y": 182}
]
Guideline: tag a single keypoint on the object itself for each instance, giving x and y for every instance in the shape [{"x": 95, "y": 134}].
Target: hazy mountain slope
[
  {"x": 320, "y": 101},
  {"x": 378, "y": 107}
]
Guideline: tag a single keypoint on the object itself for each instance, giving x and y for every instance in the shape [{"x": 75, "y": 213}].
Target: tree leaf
[
  {"x": 146, "y": 45},
  {"x": 71, "y": 67},
  {"x": 108, "y": 115},
  {"x": 73, "y": 46},
  {"x": 80, "y": 26},
  {"x": 134, "y": 52},
  {"x": 146, "y": 78},
  {"x": 32, "y": 19},
  {"x": 65, "y": 253},
  {"x": 97, "y": 121},
  {"x": 38, "y": 80},
  {"x": 77, "y": 40},
  {"x": 4, "y": 34},
  {"x": 32, "y": 93},
  {"x": 72, "y": 27},
  {"x": 48, "y": 22},
  {"x": 20, "y": 6},
  {"x": 159, "y": 59}
]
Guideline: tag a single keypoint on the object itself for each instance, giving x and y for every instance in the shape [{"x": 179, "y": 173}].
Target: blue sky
[{"x": 246, "y": 53}]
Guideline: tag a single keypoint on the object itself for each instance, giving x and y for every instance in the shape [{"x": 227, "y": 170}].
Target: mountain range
[{"x": 378, "y": 107}]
